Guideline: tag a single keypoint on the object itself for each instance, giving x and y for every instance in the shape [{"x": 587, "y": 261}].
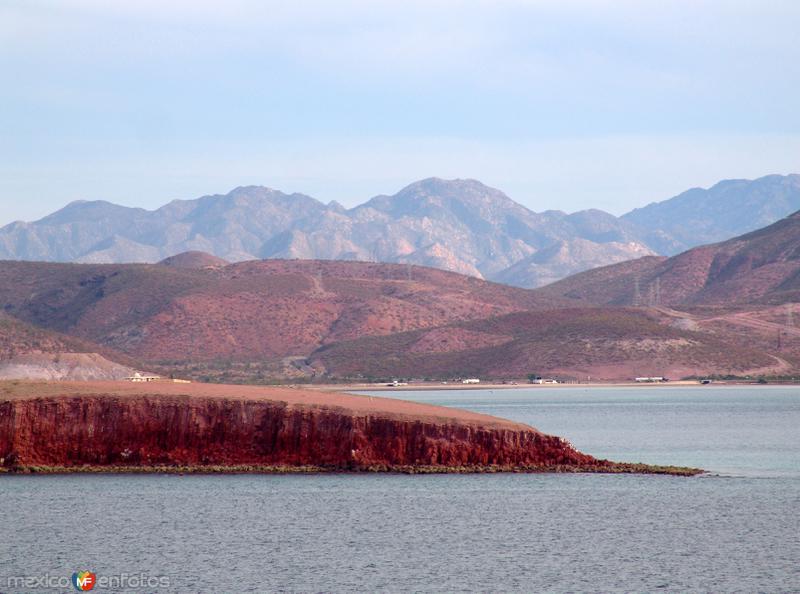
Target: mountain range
[
  {"x": 724, "y": 308},
  {"x": 457, "y": 225}
]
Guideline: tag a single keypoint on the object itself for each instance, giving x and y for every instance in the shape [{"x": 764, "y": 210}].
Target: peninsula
[{"x": 165, "y": 427}]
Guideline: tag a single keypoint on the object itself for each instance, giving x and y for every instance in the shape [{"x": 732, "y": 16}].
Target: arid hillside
[
  {"x": 759, "y": 267},
  {"x": 194, "y": 260},
  {"x": 597, "y": 343},
  {"x": 250, "y": 311},
  {"x": 35, "y": 353}
]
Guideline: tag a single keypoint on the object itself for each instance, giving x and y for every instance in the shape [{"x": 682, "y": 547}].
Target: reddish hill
[
  {"x": 194, "y": 260},
  {"x": 759, "y": 267},
  {"x": 107, "y": 426},
  {"x": 249, "y": 311},
  {"x": 604, "y": 343}
]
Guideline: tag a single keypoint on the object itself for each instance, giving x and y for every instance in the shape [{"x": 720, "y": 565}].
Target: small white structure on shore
[
  {"x": 471, "y": 380},
  {"x": 649, "y": 380},
  {"x": 138, "y": 377}
]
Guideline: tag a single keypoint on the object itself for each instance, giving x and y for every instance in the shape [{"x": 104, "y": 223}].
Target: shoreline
[
  {"x": 611, "y": 468},
  {"x": 438, "y": 386}
]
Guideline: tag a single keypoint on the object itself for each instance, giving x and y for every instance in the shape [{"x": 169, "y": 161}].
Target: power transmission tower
[{"x": 637, "y": 293}]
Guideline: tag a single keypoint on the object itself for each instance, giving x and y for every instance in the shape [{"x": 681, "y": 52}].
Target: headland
[{"x": 164, "y": 427}]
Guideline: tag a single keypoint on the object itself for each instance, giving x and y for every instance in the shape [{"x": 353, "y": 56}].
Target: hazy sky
[{"x": 561, "y": 104}]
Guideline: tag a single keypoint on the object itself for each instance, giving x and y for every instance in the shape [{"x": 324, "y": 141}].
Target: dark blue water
[{"x": 736, "y": 530}]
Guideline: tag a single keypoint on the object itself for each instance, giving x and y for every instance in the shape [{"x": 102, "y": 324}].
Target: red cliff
[{"x": 111, "y": 425}]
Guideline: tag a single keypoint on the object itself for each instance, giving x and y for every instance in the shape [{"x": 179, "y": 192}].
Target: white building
[{"x": 138, "y": 377}]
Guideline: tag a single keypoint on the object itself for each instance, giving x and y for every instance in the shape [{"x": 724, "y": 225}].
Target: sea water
[{"x": 734, "y": 529}]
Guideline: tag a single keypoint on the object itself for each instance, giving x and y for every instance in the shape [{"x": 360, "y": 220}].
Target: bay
[{"x": 735, "y": 529}]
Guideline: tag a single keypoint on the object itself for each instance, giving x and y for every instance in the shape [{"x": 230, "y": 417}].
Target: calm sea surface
[{"x": 736, "y": 530}]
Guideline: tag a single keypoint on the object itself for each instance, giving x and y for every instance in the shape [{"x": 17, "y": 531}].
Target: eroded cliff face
[{"x": 151, "y": 430}]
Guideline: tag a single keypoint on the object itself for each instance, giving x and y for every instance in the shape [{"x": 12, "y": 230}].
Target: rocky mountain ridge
[
  {"x": 458, "y": 225},
  {"x": 729, "y": 208}
]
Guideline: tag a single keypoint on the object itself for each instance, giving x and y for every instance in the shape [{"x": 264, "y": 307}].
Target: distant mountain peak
[
  {"x": 252, "y": 190},
  {"x": 440, "y": 183},
  {"x": 88, "y": 210},
  {"x": 728, "y": 208},
  {"x": 451, "y": 188}
]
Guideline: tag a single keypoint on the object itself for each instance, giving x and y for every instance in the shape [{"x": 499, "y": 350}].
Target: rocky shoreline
[
  {"x": 89, "y": 427},
  {"x": 612, "y": 468}
]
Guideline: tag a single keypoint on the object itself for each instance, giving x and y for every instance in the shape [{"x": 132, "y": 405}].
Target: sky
[{"x": 565, "y": 104}]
